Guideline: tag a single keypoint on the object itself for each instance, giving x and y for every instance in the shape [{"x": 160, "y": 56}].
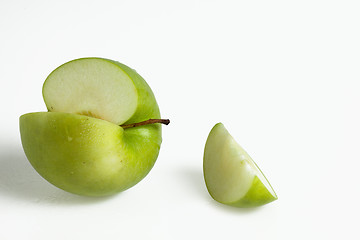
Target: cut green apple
[
  {"x": 101, "y": 134},
  {"x": 231, "y": 176}
]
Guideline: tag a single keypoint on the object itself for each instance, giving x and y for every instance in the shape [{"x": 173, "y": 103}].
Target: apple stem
[{"x": 150, "y": 121}]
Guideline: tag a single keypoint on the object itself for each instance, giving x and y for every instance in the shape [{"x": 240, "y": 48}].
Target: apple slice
[
  {"x": 99, "y": 88},
  {"x": 101, "y": 134},
  {"x": 231, "y": 176}
]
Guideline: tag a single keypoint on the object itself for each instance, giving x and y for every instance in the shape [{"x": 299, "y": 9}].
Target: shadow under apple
[
  {"x": 194, "y": 179},
  {"x": 20, "y": 181}
]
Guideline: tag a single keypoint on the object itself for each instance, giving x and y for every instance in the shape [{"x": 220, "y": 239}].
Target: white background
[{"x": 283, "y": 76}]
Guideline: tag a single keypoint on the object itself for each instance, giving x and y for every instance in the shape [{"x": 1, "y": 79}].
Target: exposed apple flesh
[
  {"x": 93, "y": 87},
  {"x": 231, "y": 176}
]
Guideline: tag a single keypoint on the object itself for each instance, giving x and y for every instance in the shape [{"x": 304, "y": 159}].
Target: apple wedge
[
  {"x": 102, "y": 132},
  {"x": 231, "y": 176}
]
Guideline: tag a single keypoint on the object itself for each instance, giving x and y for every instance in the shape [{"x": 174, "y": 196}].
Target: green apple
[
  {"x": 102, "y": 132},
  {"x": 231, "y": 176}
]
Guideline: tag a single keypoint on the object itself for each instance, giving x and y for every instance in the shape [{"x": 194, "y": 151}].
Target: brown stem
[{"x": 150, "y": 121}]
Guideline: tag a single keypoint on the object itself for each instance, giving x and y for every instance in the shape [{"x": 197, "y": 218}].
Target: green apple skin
[
  {"x": 258, "y": 195},
  {"x": 90, "y": 156},
  {"x": 86, "y": 155}
]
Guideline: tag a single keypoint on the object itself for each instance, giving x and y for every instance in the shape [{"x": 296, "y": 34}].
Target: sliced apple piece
[
  {"x": 96, "y": 87},
  {"x": 231, "y": 176}
]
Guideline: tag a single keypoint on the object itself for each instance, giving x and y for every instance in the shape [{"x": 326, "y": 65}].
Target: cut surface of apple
[
  {"x": 79, "y": 145},
  {"x": 95, "y": 87},
  {"x": 231, "y": 176}
]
